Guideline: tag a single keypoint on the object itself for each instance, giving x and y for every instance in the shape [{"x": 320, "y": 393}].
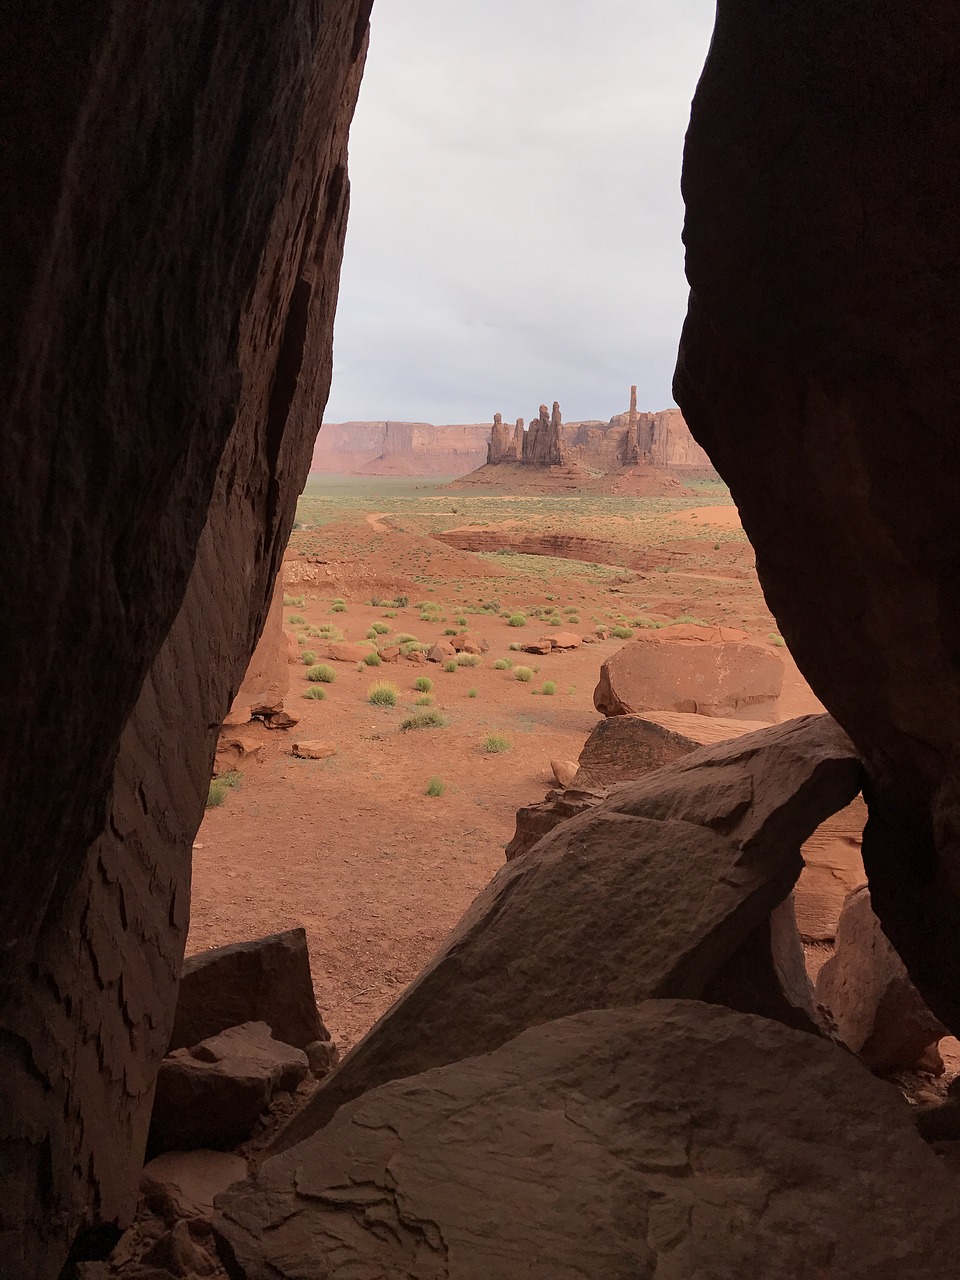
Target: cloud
[{"x": 515, "y": 218}]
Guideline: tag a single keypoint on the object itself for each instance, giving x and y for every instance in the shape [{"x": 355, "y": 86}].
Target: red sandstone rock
[
  {"x": 400, "y": 448},
  {"x": 541, "y": 647},
  {"x": 267, "y": 679},
  {"x": 692, "y": 669},
  {"x": 566, "y": 640},
  {"x": 237, "y": 751},
  {"x": 441, "y": 651},
  {"x": 564, "y": 771},
  {"x": 830, "y": 413},
  {"x": 314, "y": 749},
  {"x": 183, "y": 1184},
  {"x": 344, "y": 651},
  {"x": 660, "y": 885},
  {"x": 878, "y": 1011},
  {"x": 727, "y": 1145}
]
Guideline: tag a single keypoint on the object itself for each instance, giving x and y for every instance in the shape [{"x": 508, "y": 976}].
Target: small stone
[
  {"x": 313, "y": 750},
  {"x": 564, "y": 771}
]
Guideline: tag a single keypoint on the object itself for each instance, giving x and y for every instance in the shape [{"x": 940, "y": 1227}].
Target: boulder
[
  {"x": 833, "y": 867},
  {"x": 390, "y": 653},
  {"x": 564, "y": 771},
  {"x": 176, "y": 1253},
  {"x": 267, "y": 680},
  {"x": 468, "y": 643},
  {"x": 534, "y": 821},
  {"x": 692, "y": 669},
  {"x": 344, "y": 651},
  {"x": 878, "y": 1012},
  {"x": 212, "y": 1094},
  {"x": 237, "y": 751},
  {"x": 416, "y": 656},
  {"x": 542, "y": 646},
  {"x": 566, "y": 640},
  {"x": 441, "y": 652},
  {"x": 624, "y": 747},
  {"x": 313, "y": 749},
  {"x": 676, "y": 1139},
  {"x": 266, "y": 980},
  {"x": 182, "y": 1184},
  {"x": 280, "y": 720},
  {"x": 322, "y": 1056},
  {"x": 649, "y": 893}
]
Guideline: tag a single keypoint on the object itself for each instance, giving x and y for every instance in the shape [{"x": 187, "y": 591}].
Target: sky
[{"x": 515, "y": 219}]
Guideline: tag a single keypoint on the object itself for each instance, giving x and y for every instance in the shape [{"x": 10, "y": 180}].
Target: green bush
[
  {"x": 297, "y": 620},
  {"x": 423, "y": 683},
  {"x": 293, "y": 602},
  {"x": 380, "y": 629},
  {"x": 424, "y": 700},
  {"x": 450, "y": 631},
  {"x": 549, "y": 687},
  {"x": 423, "y": 720},
  {"x": 502, "y": 664},
  {"x": 338, "y": 608},
  {"x": 468, "y": 659},
  {"x": 372, "y": 659},
  {"x": 316, "y": 693},
  {"x": 471, "y": 693},
  {"x": 524, "y": 674},
  {"x": 450, "y": 665},
  {"x": 435, "y": 787},
  {"x": 383, "y": 694},
  {"x": 322, "y": 674},
  {"x": 308, "y": 657},
  {"x": 516, "y": 647},
  {"x": 402, "y": 601},
  {"x": 216, "y": 793},
  {"x": 621, "y": 633},
  {"x": 555, "y": 622},
  {"x": 494, "y": 743},
  {"x": 517, "y": 620},
  {"x": 404, "y": 637}
]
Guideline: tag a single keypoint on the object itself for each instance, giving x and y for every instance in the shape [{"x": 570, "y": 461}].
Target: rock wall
[
  {"x": 400, "y": 448},
  {"x": 818, "y": 366},
  {"x": 628, "y": 440},
  {"x": 173, "y": 218}
]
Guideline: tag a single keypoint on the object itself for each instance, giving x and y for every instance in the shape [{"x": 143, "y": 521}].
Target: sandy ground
[{"x": 351, "y": 847}]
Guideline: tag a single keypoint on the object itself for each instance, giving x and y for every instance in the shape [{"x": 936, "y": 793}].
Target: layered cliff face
[
  {"x": 173, "y": 211},
  {"x": 399, "y": 448},
  {"x": 629, "y": 439},
  {"x": 818, "y": 365}
]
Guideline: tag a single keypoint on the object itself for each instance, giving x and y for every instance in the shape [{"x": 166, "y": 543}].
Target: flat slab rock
[
  {"x": 650, "y": 893},
  {"x": 676, "y": 1140},
  {"x": 263, "y": 980}
]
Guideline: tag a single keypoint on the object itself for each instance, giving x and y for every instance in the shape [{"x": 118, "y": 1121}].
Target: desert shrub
[
  {"x": 450, "y": 665},
  {"x": 404, "y": 637},
  {"x": 468, "y": 659},
  {"x": 316, "y": 693},
  {"x": 524, "y": 674},
  {"x": 322, "y": 673},
  {"x": 423, "y": 720},
  {"x": 621, "y": 633},
  {"x": 502, "y": 664},
  {"x": 461, "y": 622},
  {"x": 232, "y": 779},
  {"x": 383, "y": 694},
  {"x": 372, "y": 659},
  {"x": 412, "y": 646},
  {"x": 549, "y": 687},
  {"x": 516, "y": 646},
  {"x": 570, "y": 608},
  {"x": 517, "y": 620},
  {"x": 338, "y": 608},
  {"x": 424, "y": 700},
  {"x": 401, "y": 601},
  {"x": 491, "y": 606},
  {"x": 293, "y": 602},
  {"x": 390, "y": 613},
  {"x": 435, "y": 787},
  {"x": 555, "y": 622},
  {"x": 308, "y": 657},
  {"x": 494, "y": 743},
  {"x": 297, "y": 620},
  {"x": 423, "y": 684},
  {"x": 471, "y": 693},
  {"x": 449, "y": 631},
  {"x": 574, "y": 618},
  {"x": 692, "y": 620},
  {"x": 777, "y": 639},
  {"x": 380, "y": 628},
  {"x": 216, "y": 793}
]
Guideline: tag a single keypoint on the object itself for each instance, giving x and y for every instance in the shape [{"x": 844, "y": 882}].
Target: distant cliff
[
  {"x": 400, "y": 448},
  {"x": 629, "y": 439}
]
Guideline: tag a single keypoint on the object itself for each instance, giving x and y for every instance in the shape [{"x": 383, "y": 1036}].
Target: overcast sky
[{"x": 515, "y": 218}]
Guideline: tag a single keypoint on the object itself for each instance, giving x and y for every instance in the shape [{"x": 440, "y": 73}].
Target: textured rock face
[
  {"x": 825, "y": 290},
  {"x": 173, "y": 225},
  {"x": 266, "y": 980},
  {"x": 400, "y": 448},
  {"x": 709, "y": 847},
  {"x": 672, "y": 1140},
  {"x": 707, "y": 671},
  {"x": 267, "y": 678},
  {"x": 878, "y": 1011}
]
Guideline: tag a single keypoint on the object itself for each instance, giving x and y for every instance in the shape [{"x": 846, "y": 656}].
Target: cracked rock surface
[{"x": 677, "y": 1140}]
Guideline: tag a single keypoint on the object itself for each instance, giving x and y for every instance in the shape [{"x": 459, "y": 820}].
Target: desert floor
[{"x": 352, "y": 847}]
